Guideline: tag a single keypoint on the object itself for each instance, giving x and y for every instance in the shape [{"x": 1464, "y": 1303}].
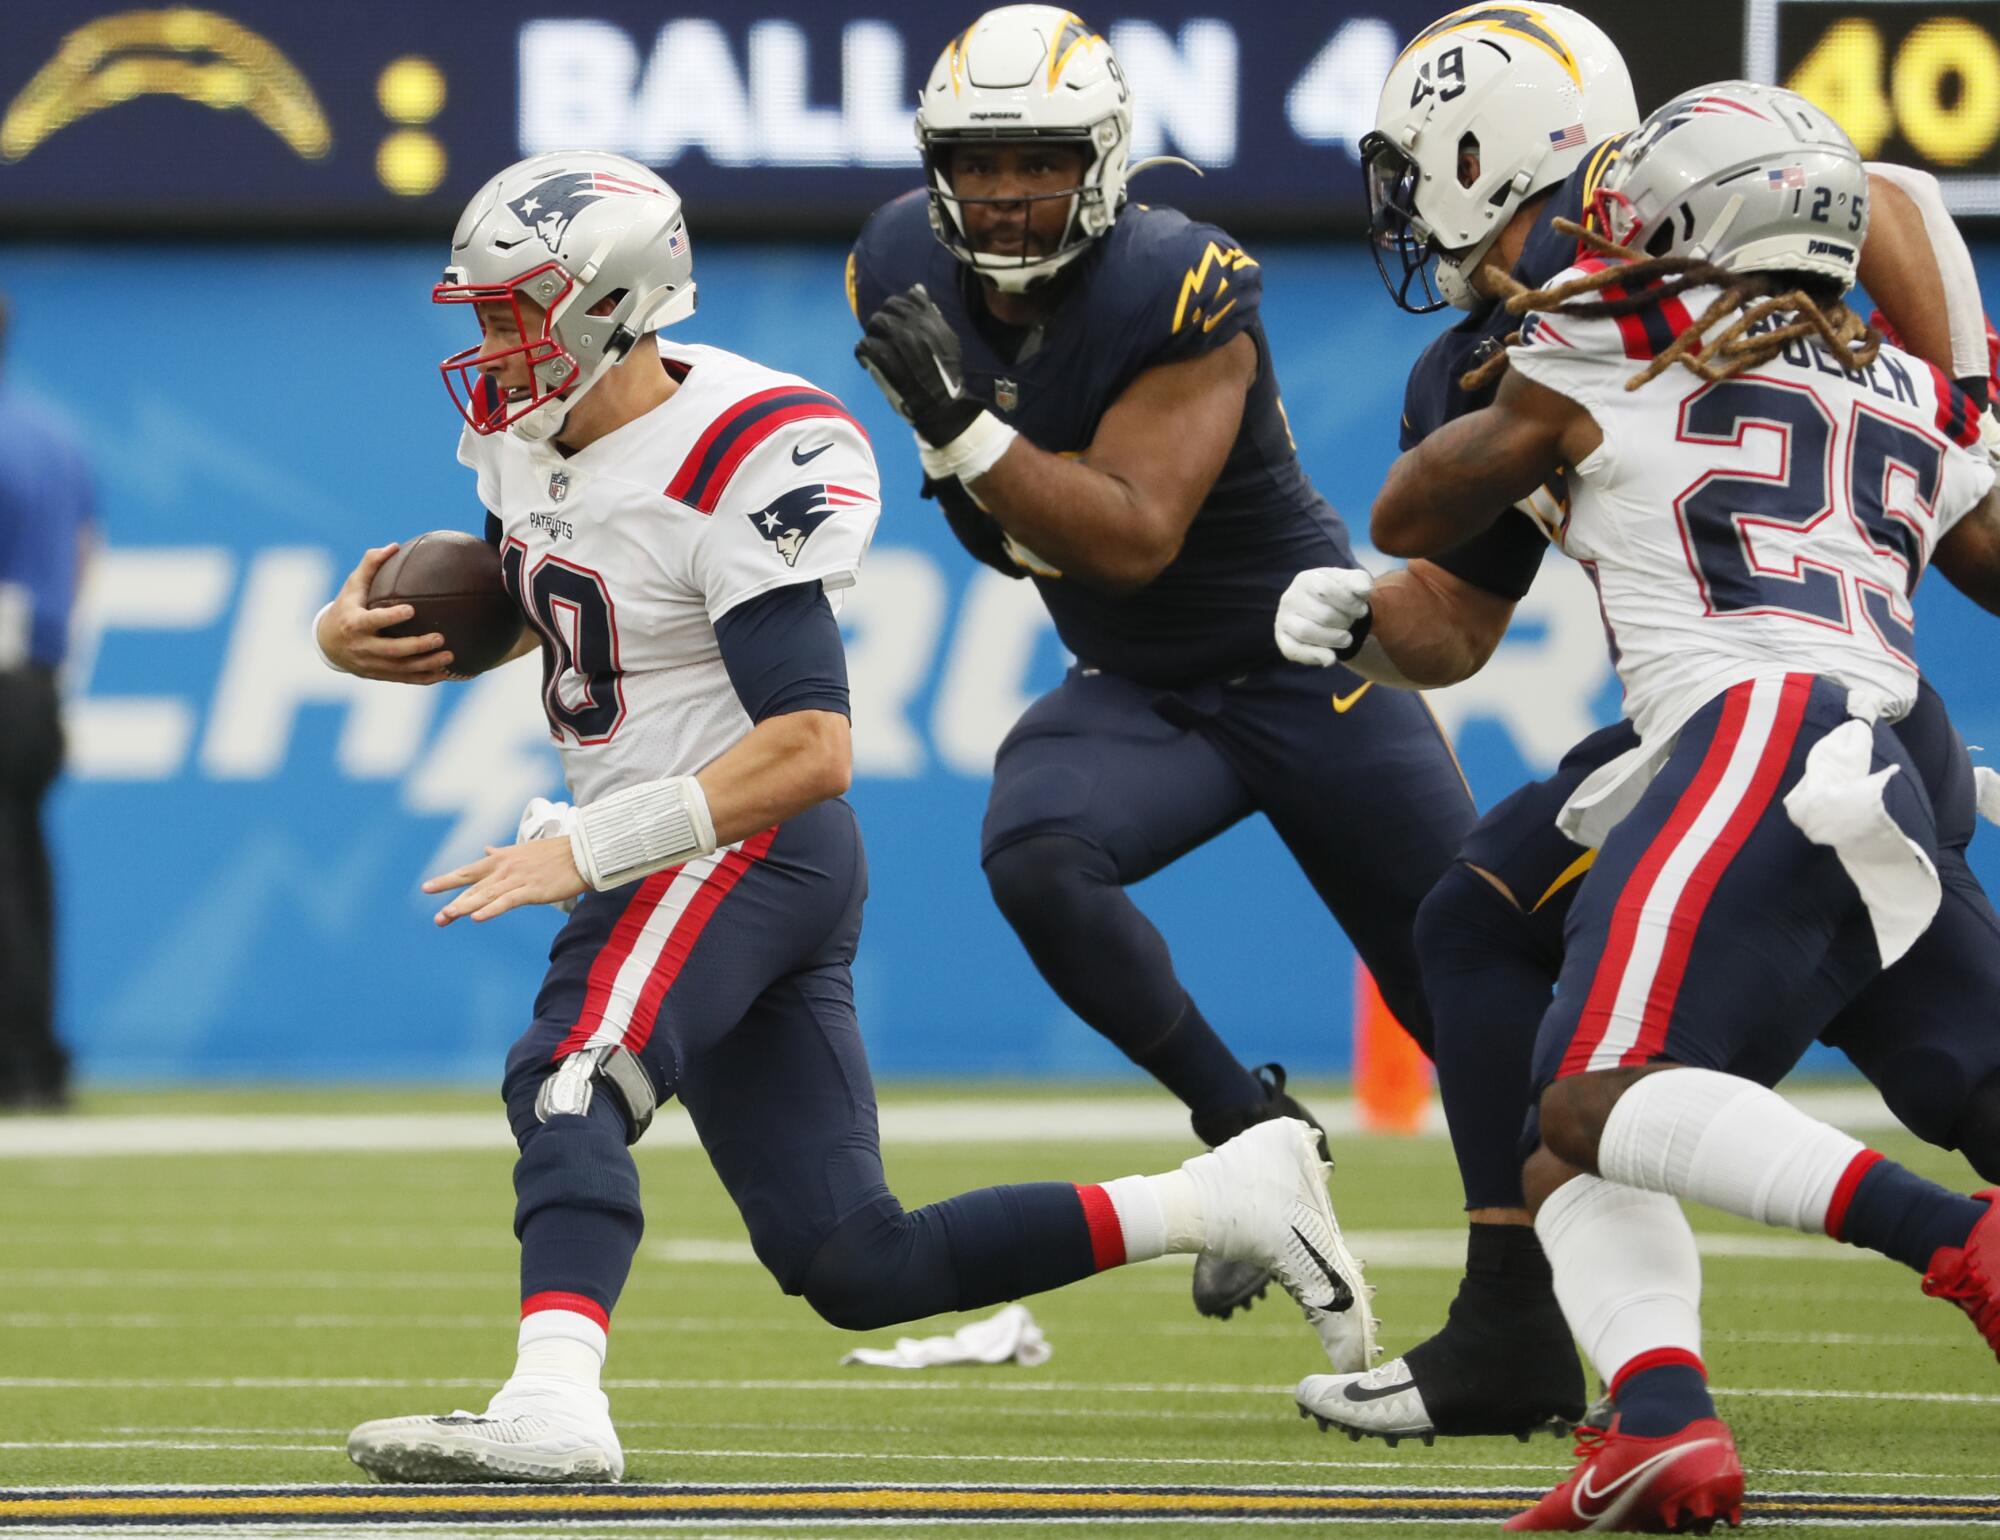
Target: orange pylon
[{"x": 1392, "y": 1078}]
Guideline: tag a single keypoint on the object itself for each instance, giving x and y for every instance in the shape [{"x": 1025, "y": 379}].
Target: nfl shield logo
[
  {"x": 558, "y": 486},
  {"x": 1006, "y": 395}
]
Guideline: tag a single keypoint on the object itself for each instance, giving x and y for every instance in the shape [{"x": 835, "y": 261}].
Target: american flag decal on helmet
[
  {"x": 1788, "y": 176},
  {"x": 1570, "y": 138}
]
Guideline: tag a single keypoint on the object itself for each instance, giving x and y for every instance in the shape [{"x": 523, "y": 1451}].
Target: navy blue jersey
[
  {"x": 1502, "y": 559},
  {"x": 1157, "y": 289}
]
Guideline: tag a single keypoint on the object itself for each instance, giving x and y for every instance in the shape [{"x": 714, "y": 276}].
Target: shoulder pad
[
  {"x": 737, "y": 432},
  {"x": 893, "y": 251}
]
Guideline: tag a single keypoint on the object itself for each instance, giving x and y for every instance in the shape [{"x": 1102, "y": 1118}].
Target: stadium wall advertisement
[
  {"x": 377, "y": 114},
  {"x": 241, "y": 833}
]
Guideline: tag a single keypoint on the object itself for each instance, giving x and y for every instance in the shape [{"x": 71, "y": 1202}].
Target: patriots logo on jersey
[
  {"x": 790, "y": 522},
  {"x": 549, "y": 206}
]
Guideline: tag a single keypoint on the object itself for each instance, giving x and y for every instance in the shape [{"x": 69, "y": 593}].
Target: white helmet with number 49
[
  {"x": 1483, "y": 110},
  {"x": 1020, "y": 74}
]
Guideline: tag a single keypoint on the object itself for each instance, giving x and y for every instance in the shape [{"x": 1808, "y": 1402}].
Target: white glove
[
  {"x": 542, "y": 819},
  {"x": 1319, "y": 612}
]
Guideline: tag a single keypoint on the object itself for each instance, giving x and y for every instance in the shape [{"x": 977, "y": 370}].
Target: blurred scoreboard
[
  {"x": 1911, "y": 82},
  {"x": 383, "y": 114}
]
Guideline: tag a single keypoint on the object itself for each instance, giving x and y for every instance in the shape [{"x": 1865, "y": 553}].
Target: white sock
[
  {"x": 559, "y": 1352},
  {"x": 1627, "y": 1274},
  {"x": 1157, "y": 1214},
  {"x": 1726, "y": 1142}
]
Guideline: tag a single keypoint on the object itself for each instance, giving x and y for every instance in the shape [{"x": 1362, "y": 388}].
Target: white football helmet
[
  {"x": 574, "y": 232},
  {"x": 1529, "y": 88},
  {"x": 1750, "y": 177},
  {"x": 1020, "y": 73}
]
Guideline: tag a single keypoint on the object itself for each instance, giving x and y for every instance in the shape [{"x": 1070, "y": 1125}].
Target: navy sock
[
  {"x": 577, "y": 1206},
  {"x": 884, "y": 1265},
  {"x": 1489, "y": 970},
  {"x": 1896, "y": 1212},
  {"x": 1653, "y": 1402},
  {"x": 1197, "y": 1066}
]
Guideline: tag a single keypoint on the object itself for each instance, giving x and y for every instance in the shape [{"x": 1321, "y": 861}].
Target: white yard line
[
  {"x": 1026, "y": 1119},
  {"x": 867, "y": 1383}
]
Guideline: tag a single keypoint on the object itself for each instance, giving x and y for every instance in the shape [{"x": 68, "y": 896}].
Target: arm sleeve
[
  {"x": 783, "y": 653},
  {"x": 785, "y": 520},
  {"x": 1502, "y": 558}
]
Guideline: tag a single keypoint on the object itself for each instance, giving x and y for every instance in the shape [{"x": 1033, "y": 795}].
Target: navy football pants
[
  {"x": 1114, "y": 780},
  {"x": 1491, "y": 963},
  {"x": 729, "y": 978}
]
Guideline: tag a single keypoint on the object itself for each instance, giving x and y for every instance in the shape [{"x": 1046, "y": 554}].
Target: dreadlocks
[{"x": 1643, "y": 282}]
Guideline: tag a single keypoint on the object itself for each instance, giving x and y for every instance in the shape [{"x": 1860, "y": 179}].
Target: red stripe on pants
[
  {"x": 1685, "y": 923},
  {"x": 687, "y": 930}
]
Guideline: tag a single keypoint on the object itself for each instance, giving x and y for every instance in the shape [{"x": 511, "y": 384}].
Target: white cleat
[
  {"x": 1384, "y": 1402},
  {"x": 526, "y": 1440},
  {"x": 1266, "y": 1201}
]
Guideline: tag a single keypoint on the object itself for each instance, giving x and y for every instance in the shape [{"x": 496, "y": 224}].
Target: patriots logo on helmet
[
  {"x": 791, "y": 521},
  {"x": 549, "y": 206}
]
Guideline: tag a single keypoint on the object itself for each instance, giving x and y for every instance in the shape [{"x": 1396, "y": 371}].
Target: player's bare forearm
[
  {"x": 1899, "y": 269},
  {"x": 1115, "y": 517},
  {"x": 1460, "y": 479},
  {"x": 1430, "y": 628},
  {"x": 1969, "y": 556},
  {"x": 781, "y": 767}
]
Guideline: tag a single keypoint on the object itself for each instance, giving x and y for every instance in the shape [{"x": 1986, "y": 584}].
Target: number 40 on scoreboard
[{"x": 1909, "y": 80}]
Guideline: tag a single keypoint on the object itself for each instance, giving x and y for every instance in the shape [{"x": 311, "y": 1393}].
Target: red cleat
[
  {"x": 1687, "y": 1480},
  {"x": 1969, "y": 1275}
]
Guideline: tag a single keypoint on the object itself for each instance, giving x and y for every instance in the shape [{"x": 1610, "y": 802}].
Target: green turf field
[{"x": 205, "y": 1319}]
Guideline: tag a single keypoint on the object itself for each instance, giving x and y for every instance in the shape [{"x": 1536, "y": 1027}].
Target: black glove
[{"x": 915, "y": 358}]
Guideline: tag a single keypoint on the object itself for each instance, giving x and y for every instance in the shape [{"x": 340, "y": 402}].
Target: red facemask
[{"x": 473, "y": 390}]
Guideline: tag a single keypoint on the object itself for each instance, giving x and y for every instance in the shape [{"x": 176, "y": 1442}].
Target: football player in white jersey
[
  {"x": 676, "y": 523},
  {"x": 1754, "y": 526},
  {"x": 1490, "y": 933}
]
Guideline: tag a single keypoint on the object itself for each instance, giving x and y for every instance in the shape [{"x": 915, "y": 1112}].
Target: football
[{"x": 453, "y": 580}]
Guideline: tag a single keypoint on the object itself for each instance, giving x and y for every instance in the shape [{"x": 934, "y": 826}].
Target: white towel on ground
[{"x": 1009, "y": 1337}]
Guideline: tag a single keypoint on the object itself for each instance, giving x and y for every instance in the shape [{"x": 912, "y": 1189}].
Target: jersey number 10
[{"x": 568, "y": 605}]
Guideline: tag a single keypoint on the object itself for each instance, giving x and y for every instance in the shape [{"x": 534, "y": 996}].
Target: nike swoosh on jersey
[
  {"x": 1354, "y": 1392},
  {"x": 1342, "y": 704},
  {"x": 810, "y": 454},
  {"x": 1343, "y": 1296},
  {"x": 1597, "y": 1494}
]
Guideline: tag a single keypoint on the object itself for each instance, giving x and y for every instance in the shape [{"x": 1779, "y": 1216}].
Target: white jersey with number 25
[{"x": 1773, "y": 522}]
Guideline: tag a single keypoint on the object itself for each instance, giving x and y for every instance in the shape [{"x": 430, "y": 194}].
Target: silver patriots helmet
[
  {"x": 1750, "y": 177},
  {"x": 598, "y": 245}
]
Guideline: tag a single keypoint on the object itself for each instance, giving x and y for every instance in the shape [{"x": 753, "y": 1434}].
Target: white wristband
[
  {"x": 972, "y": 454},
  {"x": 315, "y": 635},
  {"x": 641, "y": 830}
]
